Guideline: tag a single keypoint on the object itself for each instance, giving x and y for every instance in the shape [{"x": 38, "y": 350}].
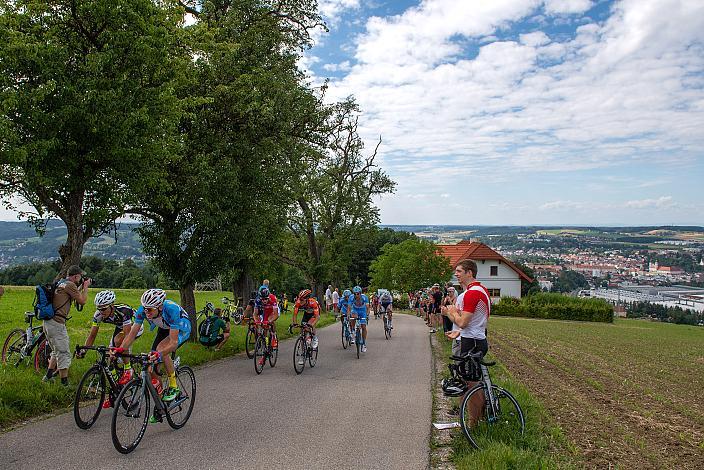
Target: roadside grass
[
  {"x": 22, "y": 393},
  {"x": 543, "y": 444}
]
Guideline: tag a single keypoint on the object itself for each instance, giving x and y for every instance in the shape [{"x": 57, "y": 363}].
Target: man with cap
[{"x": 67, "y": 289}]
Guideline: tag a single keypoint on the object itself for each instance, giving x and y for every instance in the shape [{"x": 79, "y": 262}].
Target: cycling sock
[
  {"x": 50, "y": 373},
  {"x": 128, "y": 366},
  {"x": 64, "y": 380},
  {"x": 172, "y": 380}
]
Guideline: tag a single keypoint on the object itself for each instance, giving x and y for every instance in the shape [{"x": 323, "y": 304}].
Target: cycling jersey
[
  {"x": 386, "y": 299},
  {"x": 172, "y": 317},
  {"x": 265, "y": 310},
  {"x": 310, "y": 309},
  {"x": 121, "y": 316},
  {"x": 359, "y": 306},
  {"x": 344, "y": 305}
]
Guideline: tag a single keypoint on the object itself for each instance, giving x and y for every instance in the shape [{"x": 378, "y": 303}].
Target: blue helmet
[
  {"x": 346, "y": 293},
  {"x": 263, "y": 291},
  {"x": 357, "y": 290}
]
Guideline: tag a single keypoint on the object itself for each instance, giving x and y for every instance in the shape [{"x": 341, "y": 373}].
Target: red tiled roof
[{"x": 467, "y": 249}]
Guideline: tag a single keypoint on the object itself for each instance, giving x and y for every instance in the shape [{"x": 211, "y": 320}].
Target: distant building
[{"x": 500, "y": 276}]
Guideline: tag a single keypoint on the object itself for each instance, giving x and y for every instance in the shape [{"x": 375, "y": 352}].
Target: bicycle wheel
[
  {"x": 299, "y": 355},
  {"x": 249, "y": 342},
  {"x": 358, "y": 341},
  {"x": 12, "y": 348},
  {"x": 506, "y": 426},
  {"x": 344, "y": 336},
  {"x": 130, "y": 416},
  {"x": 42, "y": 356},
  {"x": 273, "y": 352},
  {"x": 89, "y": 398},
  {"x": 179, "y": 410},
  {"x": 237, "y": 316},
  {"x": 312, "y": 356},
  {"x": 259, "y": 354},
  {"x": 387, "y": 330}
]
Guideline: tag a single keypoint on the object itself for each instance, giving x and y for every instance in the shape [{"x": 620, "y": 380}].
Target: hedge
[{"x": 556, "y": 307}]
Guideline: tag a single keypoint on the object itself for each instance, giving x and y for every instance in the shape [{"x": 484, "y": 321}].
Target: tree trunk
[
  {"x": 243, "y": 287},
  {"x": 188, "y": 302},
  {"x": 71, "y": 251}
]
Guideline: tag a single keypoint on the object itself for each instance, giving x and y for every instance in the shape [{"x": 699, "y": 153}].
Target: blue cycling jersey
[
  {"x": 173, "y": 317},
  {"x": 343, "y": 303},
  {"x": 358, "y": 306}
]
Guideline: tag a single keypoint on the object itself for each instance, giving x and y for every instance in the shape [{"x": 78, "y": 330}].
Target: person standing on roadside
[
  {"x": 69, "y": 289},
  {"x": 335, "y": 300},
  {"x": 436, "y": 301},
  {"x": 328, "y": 298}
]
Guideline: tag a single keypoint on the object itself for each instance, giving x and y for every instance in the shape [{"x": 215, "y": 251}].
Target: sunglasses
[
  {"x": 104, "y": 309},
  {"x": 150, "y": 309}
]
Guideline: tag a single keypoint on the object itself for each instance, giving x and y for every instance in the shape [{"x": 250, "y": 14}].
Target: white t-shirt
[
  {"x": 328, "y": 296},
  {"x": 475, "y": 300},
  {"x": 335, "y": 297}
]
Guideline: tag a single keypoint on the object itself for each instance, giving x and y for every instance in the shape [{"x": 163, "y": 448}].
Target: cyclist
[
  {"x": 343, "y": 303},
  {"x": 359, "y": 310},
  {"x": 266, "y": 307},
  {"x": 311, "y": 312},
  {"x": 119, "y": 315},
  {"x": 386, "y": 300},
  {"x": 375, "y": 303},
  {"x": 174, "y": 329}
]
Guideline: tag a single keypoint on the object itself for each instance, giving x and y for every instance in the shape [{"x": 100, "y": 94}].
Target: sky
[
  {"x": 523, "y": 111},
  {"x": 513, "y": 112}
]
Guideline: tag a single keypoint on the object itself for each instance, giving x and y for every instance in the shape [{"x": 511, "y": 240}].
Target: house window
[
  {"x": 494, "y": 292},
  {"x": 493, "y": 270}
]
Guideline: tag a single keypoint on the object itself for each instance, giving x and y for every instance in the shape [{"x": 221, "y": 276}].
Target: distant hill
[{"x": 20, "y": 244}]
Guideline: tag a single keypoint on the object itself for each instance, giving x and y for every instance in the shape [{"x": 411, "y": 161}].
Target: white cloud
[
  {"x": 562, "y": 7},
  {"x": 663, "y": 202},
  {"x": 331, "y": 10},
  {"x": 344, "y": 66}
]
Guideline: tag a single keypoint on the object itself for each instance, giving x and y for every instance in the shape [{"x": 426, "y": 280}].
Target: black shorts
[
  {"x": 306, "y": 317},
  {"x": 472, "y": 372},
  {"x": 213, "y": 342},
  {"x": 161, "y": 334}
]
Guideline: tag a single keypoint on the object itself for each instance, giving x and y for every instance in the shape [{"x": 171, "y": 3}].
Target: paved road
[{"x": 380, "y": 402}]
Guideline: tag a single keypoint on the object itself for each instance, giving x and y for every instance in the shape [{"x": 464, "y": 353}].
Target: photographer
[{"x": 55, "y": 329}]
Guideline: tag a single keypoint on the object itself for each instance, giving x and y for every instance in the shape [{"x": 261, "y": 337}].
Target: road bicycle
[
  {"x": 233, "y": 309},
  {"x": 208, "y": 310},
  {"x": 250, "y": 339},
  {"x": 303, "y": 350},
  {"x": 358, "y": 338},
  {"x": 346, "y": 334},
  {"x": 264, "y": 346},
  {"x": 98, "y": 382},
  {"x": 501, "y": 417},
  {"x": 21, "y": 344},
  {"x": 387, "y": 322},
  {"x": 133, "y": 405}
]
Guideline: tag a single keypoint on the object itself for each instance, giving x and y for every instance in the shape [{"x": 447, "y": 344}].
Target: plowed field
[{"x": 628, "y": 394}]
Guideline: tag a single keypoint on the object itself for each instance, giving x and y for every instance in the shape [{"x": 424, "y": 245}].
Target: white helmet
[
  {"x": 104, "y": 298},
  {"x": 153, "y": 298}
]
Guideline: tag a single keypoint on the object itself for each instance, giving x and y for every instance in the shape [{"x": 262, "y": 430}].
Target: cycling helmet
[
  {"x": 453, "y": 387},
  {"x": 346, "y": 293},
  {"x": 357, "y": 290},
  {"x": 153, "y": 298},
  {"x": 263, "y": 291},
  {"x": 305, "y": 293},
  {"x": 104, "y": 298}
]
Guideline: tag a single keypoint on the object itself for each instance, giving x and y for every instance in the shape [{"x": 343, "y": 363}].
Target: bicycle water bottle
[
  {"x": 177, "y": 362},
  {"x": 157, "y": 385}
]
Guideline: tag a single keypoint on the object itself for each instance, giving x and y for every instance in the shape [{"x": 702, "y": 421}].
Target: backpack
[
  {"x": 205, "y": 330},
  {"x": 43, "y": 298}
]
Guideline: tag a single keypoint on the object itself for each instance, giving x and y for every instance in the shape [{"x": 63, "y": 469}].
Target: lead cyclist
[{"x": 387, "y": 303}]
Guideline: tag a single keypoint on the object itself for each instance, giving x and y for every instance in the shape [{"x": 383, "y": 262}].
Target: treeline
[
  {"x": 104, "y": 273},
  {"x": 555, "y": 306},
  {"x": 663, "y": 313}
]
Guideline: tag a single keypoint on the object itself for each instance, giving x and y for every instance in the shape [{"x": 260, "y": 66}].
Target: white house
[{"x": 500, "y": 276}]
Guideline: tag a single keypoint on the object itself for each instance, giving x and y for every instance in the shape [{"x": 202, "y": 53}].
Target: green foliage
[
  {"x": 664, "y": 313},
  {"x": 555, "y": 306},
  {"x": 409, "y": 266},
  {"x": 569, "y": 281},
  {"x": 87, "y": 97},
  {"x": 528, "y": 288}
]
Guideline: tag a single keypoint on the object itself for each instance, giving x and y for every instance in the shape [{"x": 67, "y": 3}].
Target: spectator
[
  {"x": 328, "y": 298},
  {"x": 335, "y": 300},
  {"x": 449, "y": 299},
  {"x": 210, "y": 330},
  {"x": 436, "y": 301},
  {"x": 55, "y": 328}
]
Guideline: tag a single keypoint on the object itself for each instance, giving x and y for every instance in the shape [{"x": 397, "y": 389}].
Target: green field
[
  {"x": 23, "y": 395},
  {"x": 626, "y": 395}
]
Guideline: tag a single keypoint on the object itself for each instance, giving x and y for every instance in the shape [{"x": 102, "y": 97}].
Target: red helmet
[{"x": 304, "y": 294}]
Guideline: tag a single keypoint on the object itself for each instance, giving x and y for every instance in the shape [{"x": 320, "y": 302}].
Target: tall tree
[
  {"x": 221, "y": 200},
  {"x": 333, "y": 186},
  {"x": 409, "y": 266},
  {"x": 85, "y": 92}
]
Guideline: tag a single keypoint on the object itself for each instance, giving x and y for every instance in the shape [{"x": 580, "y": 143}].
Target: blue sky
[
  {"x": 526, "y": 111},
  {"x": 507, "y": 112}
]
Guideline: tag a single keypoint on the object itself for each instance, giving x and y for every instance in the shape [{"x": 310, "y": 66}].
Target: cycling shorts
[
  {"x": 118, "y": 330},
  {"x": 163, "y": 333},
  {"x": 307, "y": 317}
]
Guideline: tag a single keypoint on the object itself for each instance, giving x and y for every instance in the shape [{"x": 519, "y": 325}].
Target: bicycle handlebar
[{"x": 472, "y": 356}]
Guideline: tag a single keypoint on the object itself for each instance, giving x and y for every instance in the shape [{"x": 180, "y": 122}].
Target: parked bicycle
[
  {"x": 233, "y": 309},
  {"x": 346, "y": 334},
  {"x": 21, "y": 344},
  {"x": 208, "y": 310},
  {"x": 264, "y": 346},
  {"x": 130, "y": 417},
  {"x": 99, "y": 382},
  {"x": 303, "y": 350},
  {"x": 500, "y": 417},
  {"x": 387, "y": 322}
]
